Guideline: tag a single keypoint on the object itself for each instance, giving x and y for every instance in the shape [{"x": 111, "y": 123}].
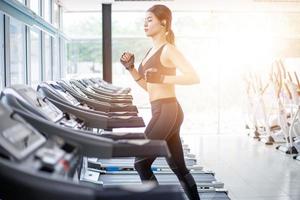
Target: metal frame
[
  {"x": 27, "y": 55},
  {"x": 2, "y": 70},
  {"x": 62, "y": 53},
  {"x": 27, "y": 50},
  {"x": 41, "y": 12},
  {"x": 106, "y": 42},
  {"x": 43, "y": 55},
  {"x": 6, "y": 38},
  {"x": 52, "y": 39}
]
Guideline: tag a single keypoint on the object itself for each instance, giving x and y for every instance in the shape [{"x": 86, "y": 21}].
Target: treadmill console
[
  {"x": 44, "y": 106},
  {"x": 69, "y": 97},
  {"x": 19, "y": 140},
  {"x": 65, "y": 94},
  {"x": 21, "y": 143}
]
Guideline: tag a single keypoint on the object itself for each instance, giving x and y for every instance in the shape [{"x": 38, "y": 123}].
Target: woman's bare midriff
[{"x": 160, "y": 91}]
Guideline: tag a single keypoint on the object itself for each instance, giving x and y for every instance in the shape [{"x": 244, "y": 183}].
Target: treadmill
[
  {"x": 100, "y": 83},
  {"x": 96, "y": 104},
  {"x": 100, "y": 97},
  {"x": 47, "y": 90},
  {"x": 54, "y": 91},
  {"x": 24, "y": 97},
  {"x": 36, "y": 166},
  {"x": 93, "y": 119},
  {"x": 88, "y": 83},
  {"x": 44, "y": 107}
]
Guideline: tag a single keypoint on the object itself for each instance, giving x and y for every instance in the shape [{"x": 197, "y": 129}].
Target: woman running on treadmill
[{"x": 157, "y": 75}]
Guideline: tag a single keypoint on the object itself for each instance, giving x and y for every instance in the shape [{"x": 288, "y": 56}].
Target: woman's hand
[
  {"x": 127, "y": 59},
  {"x": 152, "y": 75}
]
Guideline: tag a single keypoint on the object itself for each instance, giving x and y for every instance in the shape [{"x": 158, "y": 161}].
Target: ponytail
[{"x": 170, "y": 37}]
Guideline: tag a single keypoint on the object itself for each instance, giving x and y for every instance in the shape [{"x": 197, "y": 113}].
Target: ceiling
[{"x": 185, "y": 5}]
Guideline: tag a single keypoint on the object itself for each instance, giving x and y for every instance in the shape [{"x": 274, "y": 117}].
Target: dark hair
[{"x": 162, "y": 12}]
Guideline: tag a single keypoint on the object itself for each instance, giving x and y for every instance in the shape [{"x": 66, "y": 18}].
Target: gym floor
[{"x": 248, "y": 168}]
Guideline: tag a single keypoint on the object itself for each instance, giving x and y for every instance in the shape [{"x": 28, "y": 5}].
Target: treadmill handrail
[
  {"x": 91, "y": 144},
  {"x": 67, "y": 189},
  {"x": 90, "y": 119}
]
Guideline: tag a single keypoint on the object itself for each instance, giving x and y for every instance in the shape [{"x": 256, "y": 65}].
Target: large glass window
[
  {"x": 56, "y": 68},
  {"x": 47, "y": 10},
  {"x": 84, "y": 49},
  {"x": 35, "y": 57},
  {"x": 48, "y": 56},
  {"x": 35, "y": 6},
  {"x": 55, "y": 17},
  {"x": 22, "y": 1},
  {"x": 17, "y": 52},
  {"x": 63, "y": 50},
  {"x": 220, "y": 46},
  {"x": 1, "y": 52}
]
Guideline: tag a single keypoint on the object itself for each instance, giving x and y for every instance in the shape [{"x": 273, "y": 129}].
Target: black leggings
[{"x": 167, "y": 117}]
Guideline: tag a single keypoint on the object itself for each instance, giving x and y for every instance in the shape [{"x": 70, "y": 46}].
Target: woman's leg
[
  {"x": 159, "y": 127},
  {"x": 143, "y": 166},
  {"x": 177, "y": 163},
  {"x": 178, "y": 166}
]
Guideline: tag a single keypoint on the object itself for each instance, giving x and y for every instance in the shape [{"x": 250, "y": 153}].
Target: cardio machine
[{"x": 43, "y": 166}]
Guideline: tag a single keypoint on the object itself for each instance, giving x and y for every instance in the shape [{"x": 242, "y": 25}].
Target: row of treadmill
[{"x": 57, "y": 142}]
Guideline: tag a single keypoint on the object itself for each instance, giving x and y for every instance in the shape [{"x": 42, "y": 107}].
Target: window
[
  {"x": 47, "y": 61},
  {"x": 84, "y": 49},
  {"x": 17, "y": 52},
  {"x": 47, "y": 10},
  {"x": 56, "y": 68},
  {"x": 22, "y": 1},
  {"x": 35, "y": 57},
  {"x": 35, "y": 6},
  {"x": 63, "y": 51},
  {"x": 238, "y": 40},
  {"x": 1, "y": 52},
  {"x": 55, "y": 19}
]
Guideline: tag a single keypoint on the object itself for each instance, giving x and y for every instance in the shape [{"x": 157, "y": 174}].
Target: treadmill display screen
[
  {"x": 20, "y": 140},
  {"x": 79, "y": 91},
  {"x": 50, "y": 110},
  {"x": 69, "y": 97},
  {"x": 46, "y": 107}
]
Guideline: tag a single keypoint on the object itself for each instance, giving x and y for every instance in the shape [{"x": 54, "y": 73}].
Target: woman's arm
[
  {"x": 138, "y": 78},
  {"x": 127, "y": 60},
  {"x": 189, "y": 75}
]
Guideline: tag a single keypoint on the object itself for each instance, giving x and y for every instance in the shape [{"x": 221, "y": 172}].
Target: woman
[{"x": 157, "y": 75}]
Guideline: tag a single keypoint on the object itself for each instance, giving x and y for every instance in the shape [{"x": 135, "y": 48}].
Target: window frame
[
  {"x": 43, "y": 10},
  {"x": 7, "y": 35},
  {"x": 39, "y": 7},
  {"x": 2, "y": 70},
  {"x": 6, "y": 41},
  {"x": 29, "y": 55},
  {"x": 44, "y": 71}
]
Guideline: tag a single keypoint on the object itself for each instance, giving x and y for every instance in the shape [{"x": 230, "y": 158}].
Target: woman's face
[{"x": 152, "y": 25}]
